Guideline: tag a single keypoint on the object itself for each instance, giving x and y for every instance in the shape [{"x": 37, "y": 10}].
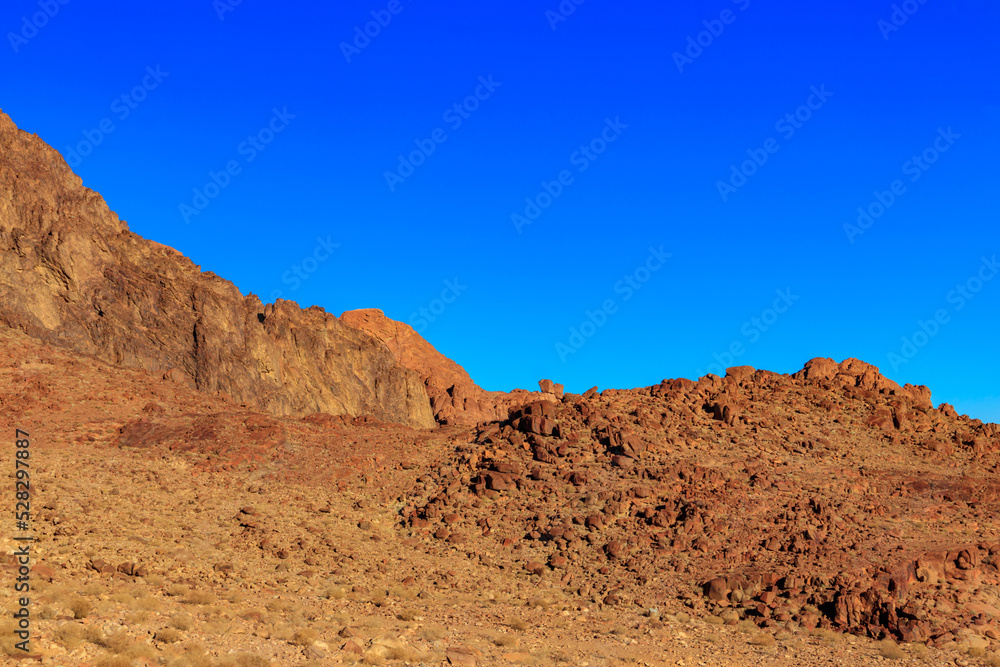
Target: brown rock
[
  {"x": 534, "y": 567},
  {"x": 351, "y": 647}
]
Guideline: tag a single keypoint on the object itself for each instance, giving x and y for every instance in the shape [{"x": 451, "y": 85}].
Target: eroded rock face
[
  {"x": 74, "y": 275},
  {"x": 454, "y": 397}
]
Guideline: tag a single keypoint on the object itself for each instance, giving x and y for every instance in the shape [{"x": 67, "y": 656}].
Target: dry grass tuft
[
  {"x": 504, "y": 640},
  {"x": 432, "y": 633},
  {"x": 178, "y": 590},
  {"x": 890, "y": 650},
  {"x": 828, "y": 637},
  {"x": 70, "y": 635},
  {"x": 200, "y": 597},
  {"x": 761, "y": 639},
  {"x": 116, "y": 642},
  {"x": 335, "y": 593},
  {"x": 8, "y": 639},
  {"x": 167, "y": 636},
  {"x": 182, "y": 621},
  {"x": 408, "y": 615},
  {"x": 517, "y": 624},
  {"x": 80, "y": 606},
  {"x": 305, "y": 637},
  {"x": 113, "y": 661},
  {"x": 136, "y": 617}
]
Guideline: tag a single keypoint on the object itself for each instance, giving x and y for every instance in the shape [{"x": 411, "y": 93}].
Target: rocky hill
[{"x": 71, "y": 273}]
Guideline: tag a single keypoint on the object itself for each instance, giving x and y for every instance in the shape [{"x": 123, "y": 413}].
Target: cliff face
[{"x": 72, "y": 274}]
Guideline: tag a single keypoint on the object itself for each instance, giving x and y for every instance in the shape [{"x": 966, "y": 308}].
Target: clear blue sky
[{"x": 637, "y": 147}]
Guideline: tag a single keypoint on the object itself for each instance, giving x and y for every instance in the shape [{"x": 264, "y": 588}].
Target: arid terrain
[{"x": 218, "y": 481}]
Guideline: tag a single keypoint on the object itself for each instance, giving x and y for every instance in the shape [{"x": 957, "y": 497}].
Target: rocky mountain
[{"x": 74, "y": 275}]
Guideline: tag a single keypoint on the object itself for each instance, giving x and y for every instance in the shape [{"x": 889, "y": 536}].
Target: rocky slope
[
  {"x": 71, "y": 273},
  {"x": 730, "y": 521}
]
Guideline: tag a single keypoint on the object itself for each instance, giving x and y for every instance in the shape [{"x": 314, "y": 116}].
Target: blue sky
[{"x": 594, "y": 193}]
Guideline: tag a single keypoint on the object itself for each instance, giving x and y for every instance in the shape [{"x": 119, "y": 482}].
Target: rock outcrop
[{"x": 72, "y": 274}]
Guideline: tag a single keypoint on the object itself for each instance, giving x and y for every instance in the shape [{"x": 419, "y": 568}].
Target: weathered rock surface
[{"x": 74, "y": 275}]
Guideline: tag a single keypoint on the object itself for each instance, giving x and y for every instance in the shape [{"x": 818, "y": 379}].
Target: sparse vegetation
[
  {"x": 80, "y": 606},
  {"x": 890, "y": 650}
]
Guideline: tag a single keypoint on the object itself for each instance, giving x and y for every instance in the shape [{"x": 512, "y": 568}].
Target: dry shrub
[
  {"x": 335, "y": 593},
  {"x": 279, "y": 606},
  {"x": 167, "y": 636},
  {"x": 136, "y": 617},
  {"x": 403, "y": 592},
  {"x": 305, "y": 637},
  {"x": 235, "y": 597},
  {"x": 432, "y": 633},
  {"x": 113, "y": 661},
  {"x": 149, "y": 604},
  {"x": 405, "y": 653},
  {"x": 141, "y": 650},
  {"x": 827, "y": 636},
  {"x": 70, "y": 635},
  {"x": 517, "y": 624},
  {"x": 504, "y": 640},
  {"x": 8, "y": 639},
  {"x": 215, "y": 628},
  {"x": 200, "y": 597},
  {"x": 116, "y": 642},
  {"x": 714, "y": 620},
  {"x": 178, "y": 590},
  {"x": 92, "y": 589},
  {"x": 890, "y": 650},
  {"x": 761, "y": 639},
  {"x": 81, "y": 607},
  {"x": 282, "y": 631},
  {"x": 93, "y": 634},
  {"x": 182, "y": 621}
]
